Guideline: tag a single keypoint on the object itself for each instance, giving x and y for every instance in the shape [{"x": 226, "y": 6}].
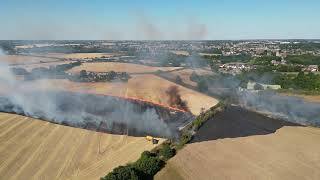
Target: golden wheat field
[
  {"x": 289, "y": 153},
  {"x": 35, "y": 149}
]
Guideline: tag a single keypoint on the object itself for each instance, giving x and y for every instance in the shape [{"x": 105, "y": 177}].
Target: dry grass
[
  {"x": 290, "y": 153},
  {"x": 29, "y": 67},
  {"x": 186, "y": 73},
  {"x": 119, "y": 67},
  {"x": 19, "y": 59},
  {"x": 34, "y": 149},
  {"x": 144, "y": 86},
  {"x": 310, "y": 98},
  {"x": 185, "y": 53}
]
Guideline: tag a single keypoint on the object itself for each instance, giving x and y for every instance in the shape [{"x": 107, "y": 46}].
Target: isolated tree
[
  {"x": 149, "y": 164},
  {"x": 83, "y": 74}
]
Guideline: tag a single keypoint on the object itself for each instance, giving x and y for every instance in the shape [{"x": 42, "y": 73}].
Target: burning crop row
[{"x": 99, "y": 113}]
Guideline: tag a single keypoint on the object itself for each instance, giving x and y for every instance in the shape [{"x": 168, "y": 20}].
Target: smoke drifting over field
[
  {"x": 289, "y": 108},
  {"x": 82, "y": 109},
  {"x": 175, "y": 98},
  {"x": 269, "y": 102}
]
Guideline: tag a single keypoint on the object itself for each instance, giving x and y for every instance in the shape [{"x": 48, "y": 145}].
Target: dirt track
[
  {"x": 34, "y": 149},
  {"x": 226, "y": 149}
]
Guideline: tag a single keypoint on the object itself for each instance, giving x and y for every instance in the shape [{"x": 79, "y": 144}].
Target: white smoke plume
[
  {"x": 148, "y": 28},
  {"x": 290, "y": 108},
  {"x": 74, "y": 108}
]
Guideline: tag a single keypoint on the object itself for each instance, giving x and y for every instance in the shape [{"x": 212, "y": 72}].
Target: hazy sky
[{"x": 159, "y": 19}]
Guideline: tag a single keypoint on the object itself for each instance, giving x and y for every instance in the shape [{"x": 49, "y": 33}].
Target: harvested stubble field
[
  {"x": 148, "y": 87},
  {"x": 29, "y": 67},
  {"x": 186, "y": 73},
  {"x": 184, "y": 53},
  {"x": 310, "y": 98},
  {"x": 81, "y": 55},
  {"x": 242, "y": 145},
  {"x": 35, "y": 149},
  {"x": 143, "y": 86},
  {"x": 119, "y": 67},
  {"x": 20, "y": 59}
]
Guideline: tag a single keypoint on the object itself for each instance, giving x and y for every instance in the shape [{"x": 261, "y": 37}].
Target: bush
[
  {"x": 166, "y": 152},
  {"x": 19, "y": 71},
  {"x": 149, "y": 164},
  {"x": 197, "y": 123},
  {"x": 184, "y": 139},
  {"x": 258, "y": 86},
  {"x": 122, "y": 173},
  {"x": 178, "y": 80}
]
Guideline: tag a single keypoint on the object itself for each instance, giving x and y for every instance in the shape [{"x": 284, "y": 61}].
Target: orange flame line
[{"x": 146, "y": 101}]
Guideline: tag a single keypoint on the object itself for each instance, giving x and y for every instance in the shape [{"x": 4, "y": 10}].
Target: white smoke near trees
[
  {"x": 76, "y": 109},
  {"x": 290, "y": 108}
]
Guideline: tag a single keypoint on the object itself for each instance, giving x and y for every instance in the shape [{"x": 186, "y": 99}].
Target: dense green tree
[
  {"x": 83, "y": 74},
  {"x": 306, "y": 59},
  {"x": 149, "y": 164},
  {"x": 166, "y": 152},
  {"x": 122, "y": 173}
]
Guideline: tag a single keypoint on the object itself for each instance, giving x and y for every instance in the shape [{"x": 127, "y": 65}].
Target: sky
[{"x": 159, "y": 19}]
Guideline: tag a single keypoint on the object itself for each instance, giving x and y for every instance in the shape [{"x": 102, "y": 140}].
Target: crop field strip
[
  {"x": 239, "y": 144},
  {"x": 34, "y": 149}
]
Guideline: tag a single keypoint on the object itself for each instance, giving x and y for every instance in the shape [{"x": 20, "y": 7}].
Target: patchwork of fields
[{"x": 147, "y": 87}]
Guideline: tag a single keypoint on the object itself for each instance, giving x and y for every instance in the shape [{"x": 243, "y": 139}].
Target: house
[
  {"x": 311, "y": 68},
  {"x": 253, "y": 86},
  {"x": 275, "y": 63}
]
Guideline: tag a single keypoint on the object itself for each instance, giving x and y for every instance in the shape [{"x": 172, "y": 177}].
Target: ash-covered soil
[{"x": 236, "y": 121}]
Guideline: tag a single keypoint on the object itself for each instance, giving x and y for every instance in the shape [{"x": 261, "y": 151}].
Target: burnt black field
[{"x": 236, "y": 121}]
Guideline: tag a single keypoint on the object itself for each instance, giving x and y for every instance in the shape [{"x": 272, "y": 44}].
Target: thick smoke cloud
[
  {"x": 76, "y": 109},
  {"x": 269, "y": 102},
  {"x": 175, "y": 98},
  {"x": 197, "y": 30},
  {"x": 148, "y": 28},
  {"x": 292, "y": 109}
]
